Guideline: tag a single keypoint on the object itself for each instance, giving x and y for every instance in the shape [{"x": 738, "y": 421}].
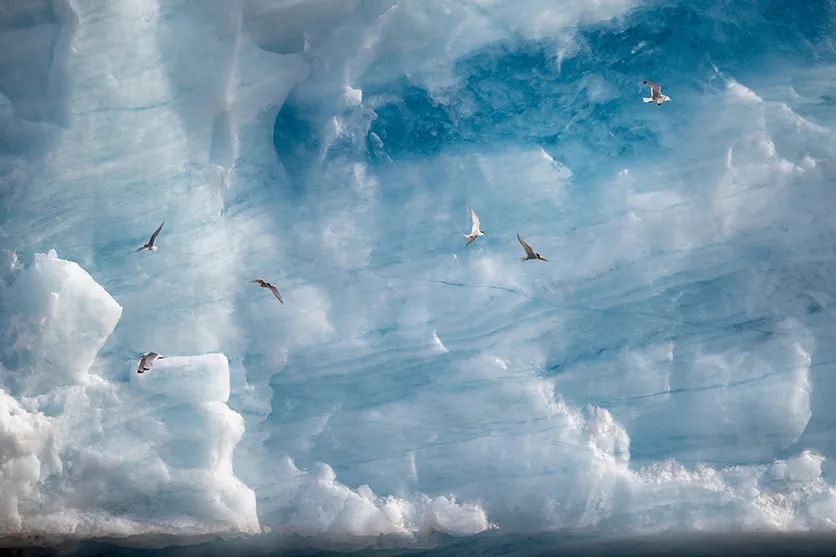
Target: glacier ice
[
  {"x": 88, "y": 455},
  {"x": 189, "y": 380},
  {"x": 57, "y": 319},
  {"x": 667, "y": 369}
]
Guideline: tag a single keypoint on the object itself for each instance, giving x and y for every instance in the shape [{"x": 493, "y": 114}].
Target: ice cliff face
[
  {"x": 139, "y": 111},
  {"x": 667, "y": 369}
]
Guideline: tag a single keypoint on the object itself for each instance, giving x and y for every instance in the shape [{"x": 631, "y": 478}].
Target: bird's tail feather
[{"x": 647, "y": 100}]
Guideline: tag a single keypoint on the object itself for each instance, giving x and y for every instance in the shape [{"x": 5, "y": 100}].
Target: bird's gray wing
[
  {"x": 155, "y": 234},
  {"x": 275, "y": 291},
  {"x": 147, "y": 361},
  {"x": 527, "y": 248}
]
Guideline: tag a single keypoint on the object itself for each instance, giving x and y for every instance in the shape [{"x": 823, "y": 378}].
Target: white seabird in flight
[
  {"x": 147, "y": 361},
  {"x": 150, "y": 245},
  {"x": 656, "y": 95},
  {"x": 529, "y": 253},
  {"x": 273, "y": 289},
  {"x": 475, "y": 232}
]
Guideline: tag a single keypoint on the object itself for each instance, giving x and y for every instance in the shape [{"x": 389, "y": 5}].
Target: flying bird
[
  {"x": 147, "y": 361},
  {"x": 273, "y": 289},
  {"x": 656, "y": 95},
  {"x": 150, "y": 245},
  {"x": 529, "y": 253},
  {"x": 475, "y": 232}
]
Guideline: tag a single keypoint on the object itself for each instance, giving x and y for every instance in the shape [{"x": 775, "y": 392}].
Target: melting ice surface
[{"x": 670, "y": 368}]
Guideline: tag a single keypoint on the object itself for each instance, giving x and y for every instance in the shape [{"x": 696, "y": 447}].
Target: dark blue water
[{"x": 564, "y": 545}]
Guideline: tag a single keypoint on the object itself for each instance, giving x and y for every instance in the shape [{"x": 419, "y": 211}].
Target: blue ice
[{"x": 669, "y": 369}]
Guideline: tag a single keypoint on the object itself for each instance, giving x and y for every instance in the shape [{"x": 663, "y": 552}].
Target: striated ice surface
[{"x": 670, "y": 368}]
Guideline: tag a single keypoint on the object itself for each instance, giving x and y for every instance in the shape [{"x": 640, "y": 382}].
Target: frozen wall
[{"x": 669, "y": 368}]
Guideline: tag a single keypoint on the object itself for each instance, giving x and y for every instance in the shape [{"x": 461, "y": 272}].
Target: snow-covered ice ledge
[{"x": 84, "y": 456}]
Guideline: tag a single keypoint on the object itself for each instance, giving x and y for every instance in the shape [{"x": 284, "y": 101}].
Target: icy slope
[{"x": 669, "y": 368}]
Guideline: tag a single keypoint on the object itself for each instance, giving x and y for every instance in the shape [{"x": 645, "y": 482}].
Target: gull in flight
[
  {"x": 147, "y": 361},
  {"x": 529, "y": 253},
  {"x": 475, "y": 232},
  {"x": 656, "y": 95},
  {"x": 273, "y": 289},
  {"x": 150, "y": 245}
]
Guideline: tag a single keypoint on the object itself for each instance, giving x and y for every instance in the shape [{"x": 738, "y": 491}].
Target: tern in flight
[
  {"x": 475, "y": 232},
  {"x": 150, "y": 245},
  {"x": 529, "y": 253},
  {"x": 147, "y": 361},
  {"x": 273, "y": 289},
  {"x": 656, "y": 95}
]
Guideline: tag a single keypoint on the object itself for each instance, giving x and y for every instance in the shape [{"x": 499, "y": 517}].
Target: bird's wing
[
  {"x": 258, "y": 282},
  {"x": 475, "y": 220},
  {"x": 651, "y": 85},
  {"x": 275, "y": 291},
  {"x": 656, "y": 89},
  {"x": 527, "y": 248},
  {"x": 156, "y": 233},
  {"x": 143, "y": 363}
]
